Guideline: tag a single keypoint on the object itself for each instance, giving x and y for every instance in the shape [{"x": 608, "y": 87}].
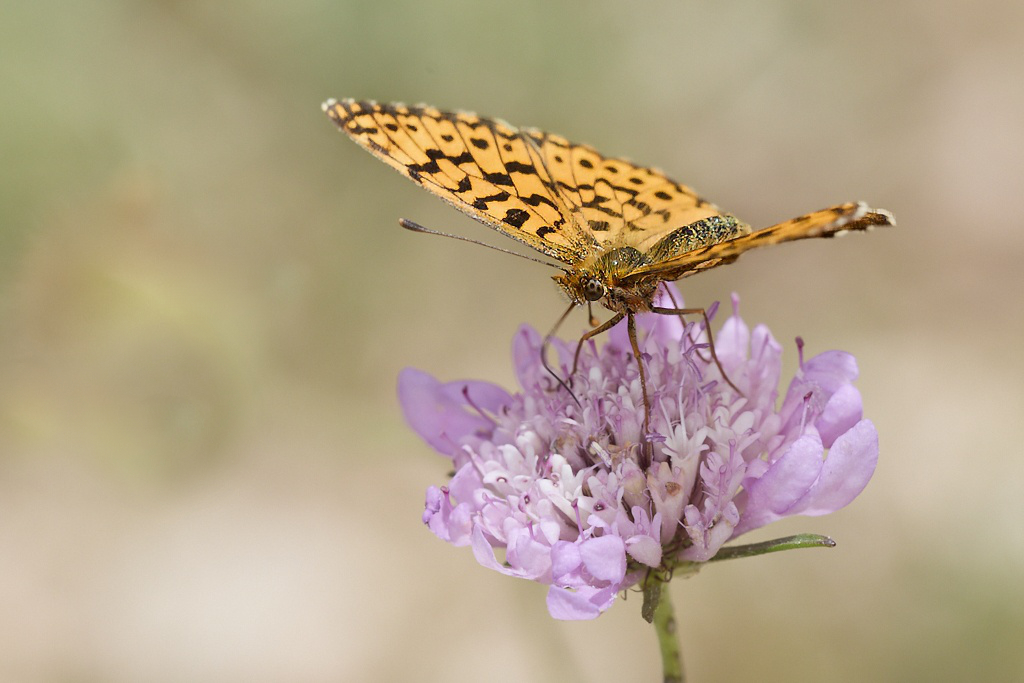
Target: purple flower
[{"x": 572, "y": 495}]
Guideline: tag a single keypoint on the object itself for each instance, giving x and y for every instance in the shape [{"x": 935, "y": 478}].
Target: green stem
[
  {"x": 787, "y": 543},
  {"x": 668, "y": 638}
]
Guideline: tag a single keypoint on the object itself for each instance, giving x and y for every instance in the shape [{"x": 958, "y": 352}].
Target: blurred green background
[{"x": 206, "y": 298}]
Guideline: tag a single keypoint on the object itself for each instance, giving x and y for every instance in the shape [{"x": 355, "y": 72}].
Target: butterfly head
[{"x": 604, "y": 278}]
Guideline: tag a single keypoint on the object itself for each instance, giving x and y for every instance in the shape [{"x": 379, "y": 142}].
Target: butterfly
[{"x": 618, "y": 229}]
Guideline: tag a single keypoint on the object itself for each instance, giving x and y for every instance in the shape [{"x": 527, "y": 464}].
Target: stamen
[
  {"x": 474, "y": 406},
  {"x": 579, "y": 520}
]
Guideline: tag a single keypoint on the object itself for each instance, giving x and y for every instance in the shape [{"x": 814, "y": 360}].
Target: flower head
[{"x": 567, "y": 490}]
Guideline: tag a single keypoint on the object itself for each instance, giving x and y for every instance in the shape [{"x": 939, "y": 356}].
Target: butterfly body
[{"x": 609, "y": 275}]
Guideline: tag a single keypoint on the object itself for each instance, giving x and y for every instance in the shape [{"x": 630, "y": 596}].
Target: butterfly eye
[{"x": 593, "y": 289}]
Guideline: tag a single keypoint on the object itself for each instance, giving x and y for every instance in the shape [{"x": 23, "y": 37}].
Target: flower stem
[{"x": 668, "y": 638}]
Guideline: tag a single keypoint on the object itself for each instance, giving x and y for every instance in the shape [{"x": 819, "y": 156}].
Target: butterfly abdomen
[{"x": 702, "y": 233}]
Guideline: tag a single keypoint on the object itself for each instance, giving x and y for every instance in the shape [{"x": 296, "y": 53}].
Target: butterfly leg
[
  {"x": 544, "y": 354},
  {"x": 605, "y": 326},
  {"x": 707, "y": 326},
  {"x": 631, "y": 328}
]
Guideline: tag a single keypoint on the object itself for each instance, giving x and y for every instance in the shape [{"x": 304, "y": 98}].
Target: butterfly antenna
[{"x": 416, "y": 227}]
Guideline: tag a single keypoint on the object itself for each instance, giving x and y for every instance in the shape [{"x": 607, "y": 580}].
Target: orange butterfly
[{"x": 619, "y": 229}]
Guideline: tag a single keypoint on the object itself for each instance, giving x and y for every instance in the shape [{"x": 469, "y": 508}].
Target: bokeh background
[{"x": 205, "y": 300}]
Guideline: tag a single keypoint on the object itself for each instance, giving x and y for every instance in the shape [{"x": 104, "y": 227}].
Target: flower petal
[
  {"x": 644, "y": 549},
  {"x": 605, "y": 558},
  {"x": 843, "y": 410},
  {"x": 847, "y": 470},
  {"x": 579, "y": 604},
  {"x": 441, "y": 413},
  {"x": 783, "y": 484}
]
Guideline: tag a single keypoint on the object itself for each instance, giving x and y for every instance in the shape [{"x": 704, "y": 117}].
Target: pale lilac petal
[
  {"x": 765, "y": 367},
  {"x": 847, "y": 470},
  {"x": 707, "y": 538},
  {"x": 842, "y": 411},
  {"x": 732, "y": 343},
  {"x": 580, "y": 604},
  {"x": 831, "y": 369},
  {"x": 526, "y": 354},
  {"x": 528, "y": 553},
  {"x": 483, "y": 551},
  {"x": 605, "y": 558},
  {"x": 437, "y": 513},
  {"x": 459, "y": 525},
  {"x": 785, "y": 482},
  {"x": 465, "y": 484},
  {"x": 565, "y": 560},
  {"x": 644, "y": 549},
  {"x": 440, "y": 413}
]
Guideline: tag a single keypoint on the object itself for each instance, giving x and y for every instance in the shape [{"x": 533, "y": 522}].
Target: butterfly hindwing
[
  {"x": 828, "y": 222},
  {"x": 618, "y": 202}
]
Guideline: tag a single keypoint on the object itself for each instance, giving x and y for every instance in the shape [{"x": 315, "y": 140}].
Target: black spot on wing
[
  {"x": 499, "y": 179},
  {"x": 356, "y": 129},
  {"x": 515, "y": 217},
  {"x": 520, "y": 167},
  {"x": 464, "y": 158},
  {"x": 573, "y": 188},
  {"x": 538, "y": 199},
  {"x": 482, "y": 202},
  {"x": 597, "y": 204},
  {"x": 626, "y": 190}
]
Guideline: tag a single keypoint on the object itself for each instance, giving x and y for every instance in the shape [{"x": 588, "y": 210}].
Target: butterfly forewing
[{"x": 481, "y": 166}]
